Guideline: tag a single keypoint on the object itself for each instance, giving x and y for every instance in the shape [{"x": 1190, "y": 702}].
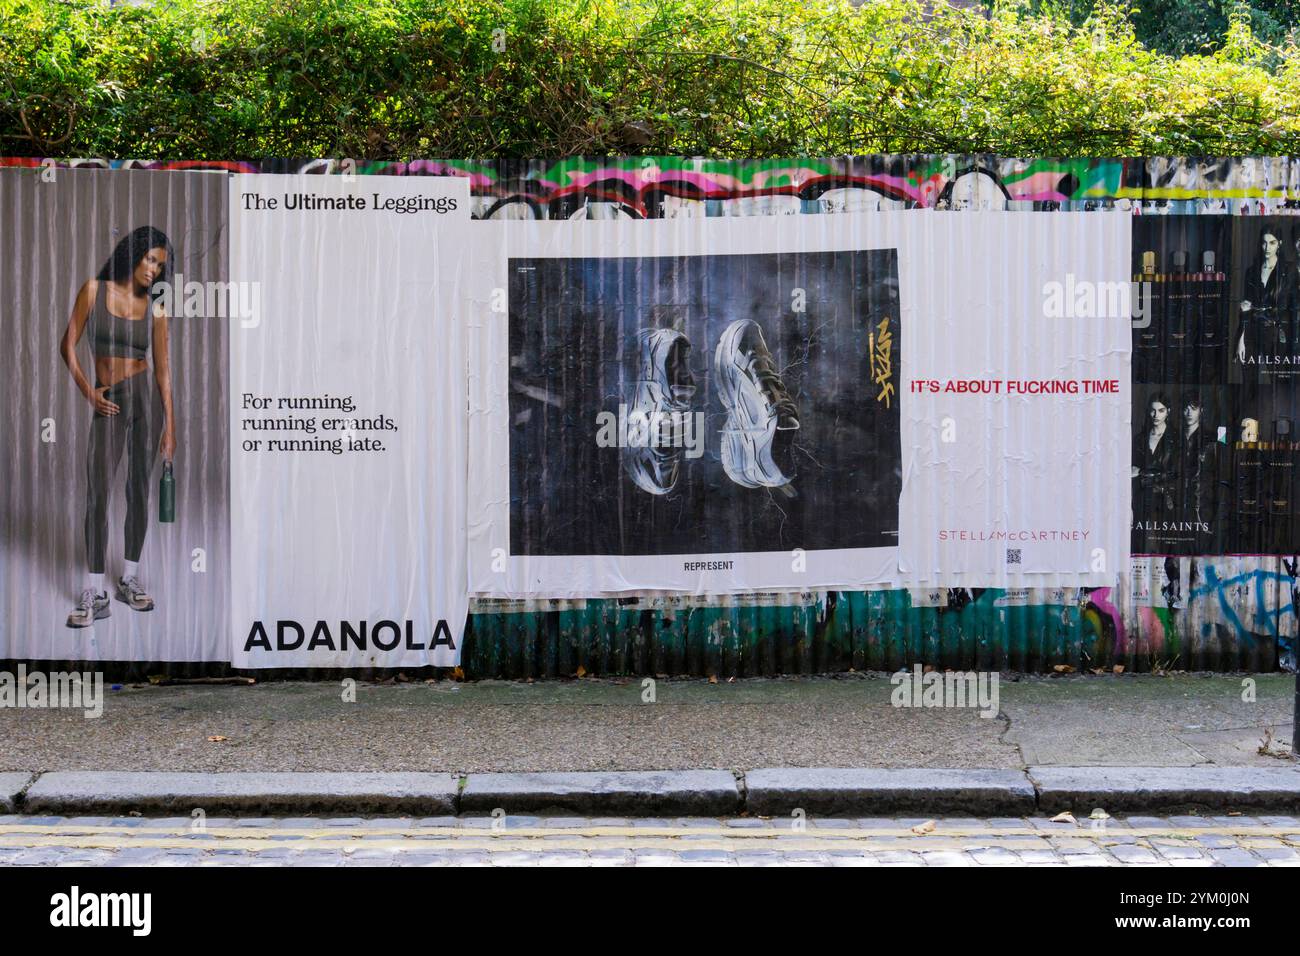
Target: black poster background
[
  {"x": 1269, "y": 326},
  {"x": 1221, "y": 339},
  {"x": 573, "y": 323},
  {"x": 1187, "y": 337},
  {"x": 1181, "y": 489}
]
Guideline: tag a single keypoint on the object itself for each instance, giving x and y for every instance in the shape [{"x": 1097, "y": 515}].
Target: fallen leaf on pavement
[
  {"x": 1064, "y": 817},
  {"x": 1063, "y": 669},
  {"x": 1118, "y": 668},
  {"x": 217, "y": 738},
  {"x": 921, "y": 829}
]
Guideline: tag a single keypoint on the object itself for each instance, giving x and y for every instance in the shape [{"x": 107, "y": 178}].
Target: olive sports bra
[{"x": 114, "y": 337}]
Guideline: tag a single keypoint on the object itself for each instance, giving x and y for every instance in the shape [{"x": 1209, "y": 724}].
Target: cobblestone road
[{"x": 518, "y": 840}]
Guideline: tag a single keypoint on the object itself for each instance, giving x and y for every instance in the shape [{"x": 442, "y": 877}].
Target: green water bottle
[{"x": 167, "y": 495}]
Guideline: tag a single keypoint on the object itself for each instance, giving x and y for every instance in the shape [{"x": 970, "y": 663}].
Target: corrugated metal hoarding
[{"x": 724, "y": 417}]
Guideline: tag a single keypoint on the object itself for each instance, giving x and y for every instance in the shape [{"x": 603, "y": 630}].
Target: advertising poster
[
  {"x": 1215, "y": 370},
  {"x": 1183, "y": 264},
  {"x": 1183, "y": 449},
  {"x": 1016, "y": 382},
  {"x": 1264, "y": 300},
  {"x": 239, "y": 403},
  {"x": 347, "y": 440},
  {"x": 680, "y": 405},
  {"x": 114, "y": 376},
  {"x": 738, "y": 443},
  {"x": 710, "y": 407},
  {"x": 1263, "y": 473}
]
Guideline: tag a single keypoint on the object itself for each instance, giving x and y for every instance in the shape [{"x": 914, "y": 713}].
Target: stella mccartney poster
[
  {"x": 710, "y": 406},
  {"x": 1016, "y": 389},
  {"x": 236, "y": 417}
]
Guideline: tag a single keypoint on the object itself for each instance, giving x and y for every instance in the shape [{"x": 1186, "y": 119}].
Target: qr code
[{"x": 1013, "y": 555}]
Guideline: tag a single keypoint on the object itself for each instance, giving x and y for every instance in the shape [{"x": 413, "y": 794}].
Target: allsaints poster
[
  {"x": 1215, "y": 369},
  {"x": 842, "y": 402}
]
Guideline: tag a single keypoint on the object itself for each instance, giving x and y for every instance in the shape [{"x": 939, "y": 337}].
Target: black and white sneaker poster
[{"x": 704, "y": 404}]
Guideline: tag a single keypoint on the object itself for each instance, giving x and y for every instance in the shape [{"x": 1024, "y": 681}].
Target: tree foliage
[
  {"x": 401, "y": 79},
  {"x": 1179, "y": 27}
]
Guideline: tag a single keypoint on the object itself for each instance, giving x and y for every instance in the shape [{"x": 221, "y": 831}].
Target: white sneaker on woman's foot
[
  {"x": 90, "y": 608},
  {"x": 132, "y": 595}
]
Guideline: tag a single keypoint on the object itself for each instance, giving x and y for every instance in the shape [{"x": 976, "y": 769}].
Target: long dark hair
[
  {"x": 129, "y": 251},
  {"x": 1277, "y": 237},
  {"x": 1159, "y": 398}
]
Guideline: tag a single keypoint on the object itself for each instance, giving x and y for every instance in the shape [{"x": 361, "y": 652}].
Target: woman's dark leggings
[{"x": 137, "y": 428}]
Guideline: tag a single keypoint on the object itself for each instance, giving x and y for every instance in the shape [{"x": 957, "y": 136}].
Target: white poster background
[
  {"x": 972, "y": 301},
  {"x": 1020, "y": 490},
  {"x": 351, "y": 305}
]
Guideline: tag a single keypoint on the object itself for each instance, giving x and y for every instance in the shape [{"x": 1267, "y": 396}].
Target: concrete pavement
[
  {"x": 604, "y": 725},
  {"x": 765, "y": 747}
]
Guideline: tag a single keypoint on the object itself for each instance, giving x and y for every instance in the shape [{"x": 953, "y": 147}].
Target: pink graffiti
[
  {"x": 1100, "y": 599},
  {"x": 1151, "y": 630},
  {"x": 428, "y": 167},
  {"x": 1039, "y": 187}
]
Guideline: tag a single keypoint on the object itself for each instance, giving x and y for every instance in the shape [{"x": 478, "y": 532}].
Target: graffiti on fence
[
  {"x": 1220, "y": 613},
  {"x": 653, "y": 187}
]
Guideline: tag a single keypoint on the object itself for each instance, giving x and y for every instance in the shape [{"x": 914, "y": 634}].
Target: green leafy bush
[{"x": 401, "y": 79}]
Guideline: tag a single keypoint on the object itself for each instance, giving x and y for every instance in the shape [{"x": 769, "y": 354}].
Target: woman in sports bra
[{"x": 119, "y": 313}]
